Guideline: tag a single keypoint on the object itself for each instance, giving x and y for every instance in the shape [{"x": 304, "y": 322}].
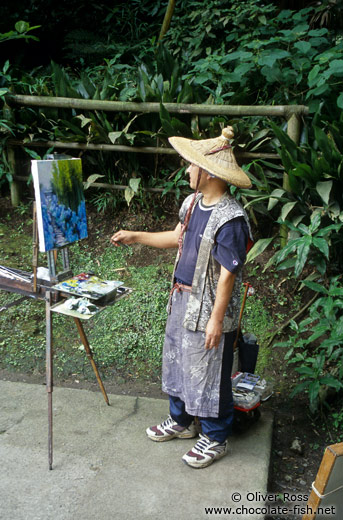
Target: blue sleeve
[{"x": 231, "y": 243}]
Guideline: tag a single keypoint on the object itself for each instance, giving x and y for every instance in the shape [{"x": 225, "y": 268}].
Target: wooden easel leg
[
  {"x": 49, "y": 373},
  {"x": 35, "y": 248},
  {"x": 90, "y": 356}
]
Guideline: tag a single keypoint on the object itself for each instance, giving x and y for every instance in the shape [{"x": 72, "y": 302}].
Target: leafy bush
[
  {"x": 249, "y": 52},
  {"x": 20, "y": 31},
  {"x": 311, "y": 246},
  {"x": 317, "y": 345},
  {"x": 314, "y": 197}
]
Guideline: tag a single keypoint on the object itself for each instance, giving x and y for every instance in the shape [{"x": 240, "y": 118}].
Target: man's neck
[{"x": 212, "y": 196}]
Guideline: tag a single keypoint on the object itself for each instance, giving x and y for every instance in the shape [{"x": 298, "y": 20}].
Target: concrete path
[{"x": 105, "y": 468}]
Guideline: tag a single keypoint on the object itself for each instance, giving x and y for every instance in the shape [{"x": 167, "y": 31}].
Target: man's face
[{"x": 193, "y": 172}]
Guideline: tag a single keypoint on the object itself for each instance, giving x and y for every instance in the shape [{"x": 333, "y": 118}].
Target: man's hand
[
  {"x": 123, "y": 237},
  {"x": 214, "y": 331},
  {"x": 162, "y": 240}
]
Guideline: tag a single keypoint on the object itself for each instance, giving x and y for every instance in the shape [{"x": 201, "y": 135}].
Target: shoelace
[
  {"x": 202, "y": 444},
  {"x": 167, "y": 422}
]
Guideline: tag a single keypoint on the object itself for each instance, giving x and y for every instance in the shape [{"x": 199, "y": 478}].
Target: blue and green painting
[{"x": 60, "y": 201}]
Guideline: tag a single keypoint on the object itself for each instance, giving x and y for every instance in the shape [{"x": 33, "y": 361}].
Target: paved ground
[{"x": 105, "y": 468}]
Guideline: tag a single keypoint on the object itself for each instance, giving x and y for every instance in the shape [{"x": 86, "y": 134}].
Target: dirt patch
[{"x": 116, "y": 386}]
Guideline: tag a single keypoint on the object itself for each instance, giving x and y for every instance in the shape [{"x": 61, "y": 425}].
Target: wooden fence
[{"x": 292, "y": 113}]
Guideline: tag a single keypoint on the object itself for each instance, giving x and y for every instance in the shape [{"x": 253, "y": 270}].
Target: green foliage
[
  {"x": 220, "y": 63},
  {"x": 336, "y": 423},
  {"x": 248, "y": 52},
  {"x": 6, "y": 125},
  {"x": 4, "y": 79},
  {"x": 109, "y": 81},
  {"x": 236, "y": 52},
  {"x": 132, "y": 189},
  {"x": 311, "y": 246},
  {"x": 313, "y": 213},
  {"x": 314, "y": 172},
  {"x": 176, "y": 181},
  {"x": 21, "y": 31},
  {"x": 5, "y": 170},
  {"x": 104, "y": 200},
  {"x": 129, "y": 29},
  {"x": 317, "y": 345}
]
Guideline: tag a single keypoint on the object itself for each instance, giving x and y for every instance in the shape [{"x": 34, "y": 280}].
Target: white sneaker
[
  {"x": 169, "y": 429},
  {"x": 205, "y": 452}
]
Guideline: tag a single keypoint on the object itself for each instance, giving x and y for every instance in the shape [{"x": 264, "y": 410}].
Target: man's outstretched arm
[{"x": 162, "y": 240}]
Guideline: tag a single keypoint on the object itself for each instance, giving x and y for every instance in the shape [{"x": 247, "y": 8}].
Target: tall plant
[{"x": 315, "y": 174}]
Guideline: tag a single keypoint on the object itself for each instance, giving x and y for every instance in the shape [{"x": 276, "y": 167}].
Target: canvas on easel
[{"x": 61, "y": 210}]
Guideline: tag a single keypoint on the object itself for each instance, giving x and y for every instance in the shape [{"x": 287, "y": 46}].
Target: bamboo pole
[
  {"x": 103, "y": 185},
  {"x": 122, "y": 187},
  {"x": 181, "y": 108},
  {"x": 167, "y": 19},
  {"x": 14, "y": 186},
  {"x": 91, "y": 146},
  {"x": 123, "y": 148}
]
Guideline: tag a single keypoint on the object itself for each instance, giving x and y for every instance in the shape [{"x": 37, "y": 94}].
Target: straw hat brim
[{"x": 221, "y": 164}]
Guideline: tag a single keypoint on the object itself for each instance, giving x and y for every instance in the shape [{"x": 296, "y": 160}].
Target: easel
[
  {"x": 55, "y": 277},
  {"x": 326, "y": 498},
  {"x": 28, "y": 286}
]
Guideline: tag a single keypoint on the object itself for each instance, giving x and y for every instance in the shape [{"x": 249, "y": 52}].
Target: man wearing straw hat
[{"x": 203, "y": 307}]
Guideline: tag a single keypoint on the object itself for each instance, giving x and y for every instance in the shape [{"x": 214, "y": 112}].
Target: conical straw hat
[{"x": 213, "y": 155}]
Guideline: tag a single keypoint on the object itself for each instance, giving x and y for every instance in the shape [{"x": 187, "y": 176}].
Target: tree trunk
[{"x": 167, "y": 19}]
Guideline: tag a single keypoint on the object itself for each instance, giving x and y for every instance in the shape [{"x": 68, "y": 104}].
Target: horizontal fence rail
[
  {"x": 179, "y": 108},
  {"x": 123, "y": 148}
]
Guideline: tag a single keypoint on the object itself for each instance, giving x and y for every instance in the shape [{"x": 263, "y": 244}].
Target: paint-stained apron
[{"x": 189, "y": 371}]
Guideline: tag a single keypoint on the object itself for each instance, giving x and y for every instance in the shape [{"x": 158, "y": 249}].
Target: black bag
[{"x": 247, "y": 352}]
